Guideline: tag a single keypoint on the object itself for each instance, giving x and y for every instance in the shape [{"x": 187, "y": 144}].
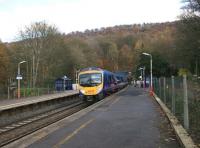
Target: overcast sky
[{"x": 79, "y": 15}]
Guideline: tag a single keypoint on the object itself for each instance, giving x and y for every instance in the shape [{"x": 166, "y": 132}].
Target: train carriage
[{"x": 94, "y": 83}]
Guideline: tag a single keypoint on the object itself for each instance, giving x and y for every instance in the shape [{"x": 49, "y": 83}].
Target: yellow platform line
[
  {"x": 115, "y": 101},
  {"x": 73, "y": 134}
]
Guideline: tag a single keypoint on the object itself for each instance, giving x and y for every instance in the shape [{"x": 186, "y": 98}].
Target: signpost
[{"x": 19, "y": 77}]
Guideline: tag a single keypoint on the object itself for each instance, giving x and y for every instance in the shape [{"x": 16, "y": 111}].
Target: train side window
[
  {"x": 107, "y": 81},
  {"x": 105, "y": 78},
  {"x": 110, "y": 79},
  {"x": 113, "y": 80}
]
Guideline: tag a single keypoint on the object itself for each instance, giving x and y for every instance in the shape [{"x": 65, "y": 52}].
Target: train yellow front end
[{"x": 90, "y": 84}]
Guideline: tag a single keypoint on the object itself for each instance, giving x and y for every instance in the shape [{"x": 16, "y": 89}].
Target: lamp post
[
  {"x": 151, "y": 85},
  {"x": 19, "y": 77}
]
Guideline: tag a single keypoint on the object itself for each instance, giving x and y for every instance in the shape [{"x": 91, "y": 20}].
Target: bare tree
[
  {"x": 35, "y": 40},
  {"x": 191, "y": 8}
]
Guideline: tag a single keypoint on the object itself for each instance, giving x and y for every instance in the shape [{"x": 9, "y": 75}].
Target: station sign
[{"x": 19, "y": 77}]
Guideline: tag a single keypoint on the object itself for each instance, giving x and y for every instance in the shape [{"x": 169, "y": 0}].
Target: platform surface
[
  {"x": 12, "y": 103},
  {"x": 131, "y": 119}
]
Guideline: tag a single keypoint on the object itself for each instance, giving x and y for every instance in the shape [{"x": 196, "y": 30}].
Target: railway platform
[
  {"x": 127, "y": 119},
  {"x": 14, "y": 103}
]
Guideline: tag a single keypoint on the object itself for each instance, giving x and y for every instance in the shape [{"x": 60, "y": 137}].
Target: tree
[
  {"x": 160, "y": 65},
  {"x": 125, "y": 58},
  {"x": 36, "y": 40},
  {"x": 4, "y": 66},
  {"x": 129, "y": 40},
  {"x": 192, "y": 8},
  {"x": 77, "y": 56},
  {"x": 109, "y": 55},
  {"x": 188, "y": 36}
]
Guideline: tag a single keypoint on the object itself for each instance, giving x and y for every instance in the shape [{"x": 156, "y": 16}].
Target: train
[{"x": 95, "y": 83}]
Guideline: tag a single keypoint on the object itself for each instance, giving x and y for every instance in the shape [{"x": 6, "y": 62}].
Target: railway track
[{"x": 20, "y": 129}]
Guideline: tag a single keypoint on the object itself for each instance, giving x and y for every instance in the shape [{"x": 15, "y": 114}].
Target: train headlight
[
  {"x": 82, "y": 91},
  {"x": 99, "y": 90}
]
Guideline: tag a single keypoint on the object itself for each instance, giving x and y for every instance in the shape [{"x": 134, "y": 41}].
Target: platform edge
[{"x": 184, "y": 139}]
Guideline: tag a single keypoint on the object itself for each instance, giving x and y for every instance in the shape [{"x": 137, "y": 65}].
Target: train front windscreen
[{"x": 90, "y": 79}]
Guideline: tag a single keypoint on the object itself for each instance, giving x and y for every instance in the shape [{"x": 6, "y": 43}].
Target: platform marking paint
[
  {"x": 9, "y": 127},
  {"x": 30, "y": 139},
  {"x": 3, "y": 130},
  {"x": 116, "y": 100},
  {"x": 73, "y": 134}
]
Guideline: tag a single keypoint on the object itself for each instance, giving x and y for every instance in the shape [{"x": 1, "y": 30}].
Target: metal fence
[
  {"x": 27, "y": 92},
  {"x": 11, "y": 93},
  {"x": 182, "y": 97},
  {"x": 50, "y": 87}
]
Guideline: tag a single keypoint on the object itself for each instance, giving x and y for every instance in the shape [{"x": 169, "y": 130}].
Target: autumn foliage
[
  {"x": 4, "y": 66},
  {"x": 51, "y": 54}
]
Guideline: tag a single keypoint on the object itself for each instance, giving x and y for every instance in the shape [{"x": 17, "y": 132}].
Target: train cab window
[{"x": 91, "y": 79}]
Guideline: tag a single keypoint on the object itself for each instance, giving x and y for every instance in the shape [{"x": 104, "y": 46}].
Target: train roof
[
  {"x": 91, "y": 68},
  {"x": 95, "y": 69},
  {"x": 118, "y": 74}
]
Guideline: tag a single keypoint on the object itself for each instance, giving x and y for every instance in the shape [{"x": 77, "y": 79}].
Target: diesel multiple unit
[{"x": 95, "y": 83}]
